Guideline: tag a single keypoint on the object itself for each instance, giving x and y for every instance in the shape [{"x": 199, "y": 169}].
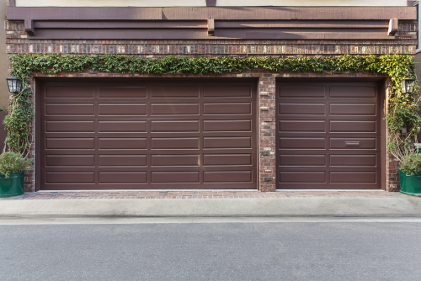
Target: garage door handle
[{"x": 352, "y": 143}]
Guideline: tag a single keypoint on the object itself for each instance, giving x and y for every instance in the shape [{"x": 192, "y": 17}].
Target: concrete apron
[{"x": 248, "y": 207}]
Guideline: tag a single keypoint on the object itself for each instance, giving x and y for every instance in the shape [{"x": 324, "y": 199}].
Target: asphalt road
[{"x": 212, "y": 251}]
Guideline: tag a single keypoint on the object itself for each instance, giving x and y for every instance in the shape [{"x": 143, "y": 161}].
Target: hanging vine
[{"x": 402, "y": 107}]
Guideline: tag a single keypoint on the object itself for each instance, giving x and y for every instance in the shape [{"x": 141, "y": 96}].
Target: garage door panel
[
  {"x": 175, "y": 177},
  {"x": 300, "y": 177},
  {"x": 69, "y": 143},
  {"x": 302, "y": 160},
  {"x": 175, "y": 126},
  {"x": 121, "y": 126},
  {"x": 336, "y": 150},
  {"x": 70, "y": 177},
  {"x": 69, "y": 109},
  {"x": 302, "y": 126},
  {"x": 174, "y": 143},
  {"x": 122, "y": 143},
  {"x": 353, "y": 160},
  {"x": 239, "y": 142},
  {"x": 302, "y": 91},
  {"x": 122, "y": 160},
  {"x": 175, "y": 92},
  {"x": 122, "y": 109},
  {"x": 227, "y": 91},
  {"x": 353, "y": 126},
  {"x": 175, "y": 160},
  {"x": 227, "y": 176},
  {"x": 351, "y": 91},
  {"x": 302, "y": 143},
  {"x": 353, "y": 109},
  {"x": 353, "y": 177},
  {"x": 227, "y": 108},
  {"x": 70, "y": 160},
  {"x": 302, "y": 109},
  {"x": 122, "y": 177},
  {"x": 69, "y": 92},
  {"x": 353, "y": 143},
  {"x": 122, "y": 93},
  {"x": 227, "y": 159},
  {"x": 174, "y": 109},
  {"x": 69, "y": 126},
  {"x": 227, "y": 125}
]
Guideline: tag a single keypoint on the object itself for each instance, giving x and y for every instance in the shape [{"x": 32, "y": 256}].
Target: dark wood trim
[
  {"x": 383, "y": 130},
  {"x": 393, "y": 26},
  {"x": 171, "y": 24},
  {"x": 211, "y": 27},
  {"x": 37, "y": 136},
  {"x": 199, "y": 34},
  {"x": 210, "y": 3},
  {"x": 29, "y": 27},
  {"x": 201, "y": 13}
]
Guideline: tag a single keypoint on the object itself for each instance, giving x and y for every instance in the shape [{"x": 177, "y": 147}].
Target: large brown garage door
[
  {"x": 161, "y": 134},
  {"x": 328, "y": 135}
]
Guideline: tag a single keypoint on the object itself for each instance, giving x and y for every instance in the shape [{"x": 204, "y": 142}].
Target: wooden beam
[
  {"x": 211, "y": 27},
  {"x": 200, "y": 13},
  {"x": 29, "y": 27},
  {"x": 393, "y": 26}
]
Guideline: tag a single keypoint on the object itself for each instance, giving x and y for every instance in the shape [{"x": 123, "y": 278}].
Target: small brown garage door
[
  {"x": 162, "y": 134},
  {"x": 328, "y": 135}
]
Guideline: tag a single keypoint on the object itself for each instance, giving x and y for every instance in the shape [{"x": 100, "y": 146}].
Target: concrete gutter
[{"x": 247, "y": 207}]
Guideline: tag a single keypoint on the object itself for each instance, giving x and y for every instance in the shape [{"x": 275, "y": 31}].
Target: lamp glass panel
[
  {"x": 14, "y": 85},
  {"x": 411, "y": 85}
]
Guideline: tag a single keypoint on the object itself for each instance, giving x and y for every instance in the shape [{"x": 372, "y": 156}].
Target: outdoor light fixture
[
  {"x": 14, "y": 84},
  {"x": 408, "y": 86},
  {"x": 404, "y": 131}
]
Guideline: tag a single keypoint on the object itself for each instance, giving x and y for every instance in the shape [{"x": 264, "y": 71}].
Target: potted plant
[
  {"x": 12, "y": 168},
  {"x": 410, "y": 174}
]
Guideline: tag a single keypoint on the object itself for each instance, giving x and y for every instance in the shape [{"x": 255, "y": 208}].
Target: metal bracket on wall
[
  {"x": 267, "y": 179},
  {"x": 211, "y": 27},
  {"x": 265, "y": 153}
]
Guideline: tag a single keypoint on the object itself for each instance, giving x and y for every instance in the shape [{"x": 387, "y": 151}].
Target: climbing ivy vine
[{"x": 402, "y": 107}]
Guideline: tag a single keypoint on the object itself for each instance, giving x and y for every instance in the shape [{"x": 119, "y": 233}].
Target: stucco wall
[
  {"x": 4, "y": 94},
  {"x": 164, "y": 3}
]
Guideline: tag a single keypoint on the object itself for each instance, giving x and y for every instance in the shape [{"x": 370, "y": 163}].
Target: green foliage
[
  {"x": 411, "y": 164},
  {"x": 11, "y": 162},
  {"x": 403, "y": 108}
]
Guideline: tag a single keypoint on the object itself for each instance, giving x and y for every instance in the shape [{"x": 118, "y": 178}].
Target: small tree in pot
[{"x": 12, "y": 168}]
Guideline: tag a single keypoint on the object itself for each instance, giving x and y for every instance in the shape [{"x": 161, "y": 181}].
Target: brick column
[{"x": 267, "y": 133}]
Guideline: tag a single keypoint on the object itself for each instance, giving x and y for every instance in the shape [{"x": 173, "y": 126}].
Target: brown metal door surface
[
  {"x": 128, "y": 134},
  {"x": 328, "y": 135}
]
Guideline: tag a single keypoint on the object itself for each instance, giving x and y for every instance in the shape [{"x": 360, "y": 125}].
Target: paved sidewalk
[
  {"x": 202, "y": 194},
  {"x": 211, "y": 203}
]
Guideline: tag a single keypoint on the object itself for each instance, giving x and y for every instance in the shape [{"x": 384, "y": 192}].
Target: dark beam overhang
[
  {"x": 201, "y": 13},
  {"x": 335, "y": 23}
]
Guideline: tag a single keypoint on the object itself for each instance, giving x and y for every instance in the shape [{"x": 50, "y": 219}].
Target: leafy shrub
[
  {"x": 411, "y": 164},
  {"x": 11, "y": 162}
]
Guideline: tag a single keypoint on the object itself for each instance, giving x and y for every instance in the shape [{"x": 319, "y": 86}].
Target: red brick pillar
[{"x": 267, "y": 133}]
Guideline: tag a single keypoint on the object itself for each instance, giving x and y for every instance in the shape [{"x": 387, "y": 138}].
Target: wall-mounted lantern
[
  {"x": 408, "y": 86},
  {"x": 14, "y": 84}
]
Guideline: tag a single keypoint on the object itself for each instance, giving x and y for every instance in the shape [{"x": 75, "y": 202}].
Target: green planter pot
[
  {"x": 410, "y": 184},
  {"x": 11, "y": 186}
]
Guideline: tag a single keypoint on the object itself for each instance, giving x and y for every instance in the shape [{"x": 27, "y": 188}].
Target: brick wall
[{"x": 404, "y": 43}]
